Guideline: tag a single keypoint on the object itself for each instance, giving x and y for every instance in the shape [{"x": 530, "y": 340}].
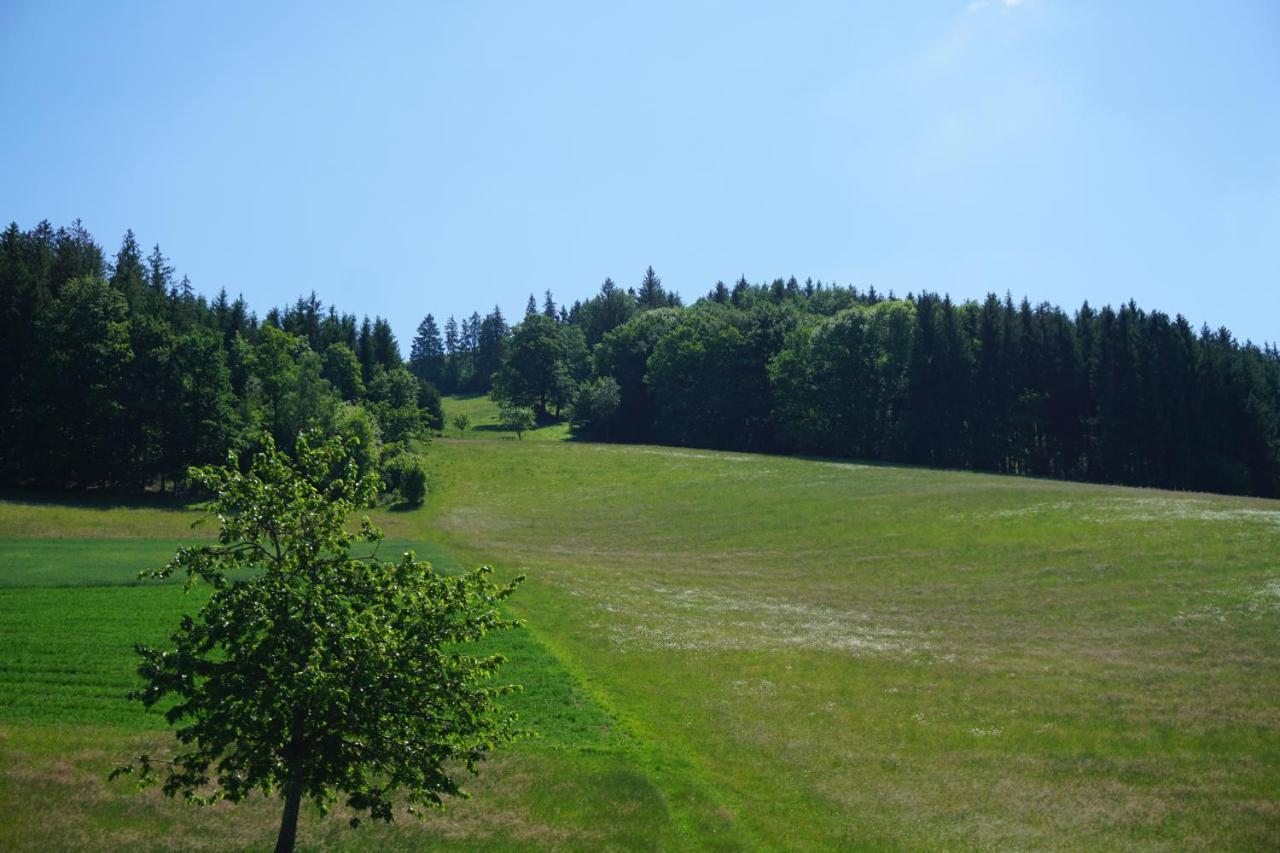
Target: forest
[
  {"x": 1108, "y": 395},
  {"x": 114, "y": 375}
]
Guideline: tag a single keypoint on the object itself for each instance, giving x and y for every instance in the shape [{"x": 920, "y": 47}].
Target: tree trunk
[{"x": 289, "y": 823}]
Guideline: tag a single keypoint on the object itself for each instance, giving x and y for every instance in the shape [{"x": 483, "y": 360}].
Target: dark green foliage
[
  {"x": 342, "y": 370},
  {"x": 490, "y": 341},
  {"x": 359, "y": 429},
  {"x": 605, "y": 312},
  {"x": 430, "y": 407},
  {"x": 74, "y": 419},
  {"x": 426, "y": 356},
  {"x": 595, "y": 407},
  {"x": 537, "y": 368},
  {"x": 623, "y": 354},
  {"x": 314, "y": 673},
  {"x": 651, "y": 294},
  {"x": 99, "y": 384},
  {"x": 404, "y": 474},
  {"x": 413, "y": 485},
  {"x": 707, "y": 388},
  {"x": 393, "y": 397},
  {"x": 841, "y": 385},
  {"x": 1117, "y": 395},
  {"x": 120, "y": 377}
]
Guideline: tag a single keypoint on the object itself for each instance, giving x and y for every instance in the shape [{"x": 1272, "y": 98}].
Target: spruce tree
[
  {"x": 426, "y": 356},
  {"x": 651, "y": 294}
]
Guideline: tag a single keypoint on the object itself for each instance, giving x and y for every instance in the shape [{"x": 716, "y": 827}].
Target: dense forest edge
[{"x": 114, "y": 375}]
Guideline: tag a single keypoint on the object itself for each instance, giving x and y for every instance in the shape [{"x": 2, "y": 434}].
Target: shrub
[{"x": 404, "y": 473}]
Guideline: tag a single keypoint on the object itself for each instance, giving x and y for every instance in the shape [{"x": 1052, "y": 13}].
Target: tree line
[
  {"x": 115, "y": 374},
  {"x": 1115, "y": 395}
]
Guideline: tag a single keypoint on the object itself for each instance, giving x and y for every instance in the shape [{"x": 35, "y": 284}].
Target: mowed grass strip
[
  {"x": 28, "y": 515},
  {"x": 66, "y": 651},
  {"x": 66, "y": 662},
  {"x": 55, "y": 796}
]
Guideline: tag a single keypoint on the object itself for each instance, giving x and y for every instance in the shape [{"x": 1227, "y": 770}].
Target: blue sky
[{"x": 442, "y": 157}]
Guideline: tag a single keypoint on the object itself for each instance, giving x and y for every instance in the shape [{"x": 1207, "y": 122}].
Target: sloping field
[
  {"x": 756, "y": 652},
  {"x": 485, "y": 421}
]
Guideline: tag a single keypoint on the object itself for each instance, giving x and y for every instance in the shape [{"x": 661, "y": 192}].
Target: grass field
[
  {"x": 485, "y": 422},
  {"x": 740, "y": 652}
]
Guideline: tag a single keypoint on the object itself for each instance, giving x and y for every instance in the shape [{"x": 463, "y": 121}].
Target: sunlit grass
[
  {"x": 876, "y": 656},
  {"x": 751, "y": 651},
  {"x": 486, "y": 423}
]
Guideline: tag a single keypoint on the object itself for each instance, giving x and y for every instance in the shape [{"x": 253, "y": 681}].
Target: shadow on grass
[{"x": 101, "y": 500}]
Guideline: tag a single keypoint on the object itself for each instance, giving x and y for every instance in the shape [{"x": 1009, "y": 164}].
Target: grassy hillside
[
  {"x": 756, "y": 652},
  {"x": 485, "y": 422}
]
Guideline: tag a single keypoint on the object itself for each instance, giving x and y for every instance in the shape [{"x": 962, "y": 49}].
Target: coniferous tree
[
  {"x": 651, "y": 294},
  {"x": 115, "y": 376},
  {"x": 426, "y": 356}
]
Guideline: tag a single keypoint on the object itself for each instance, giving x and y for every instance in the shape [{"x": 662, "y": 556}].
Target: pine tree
[
  {"x": 386, "y": 351},
  {"x": 426, "y": 357},
  {"x": 128, "y": 276},
  {"x": 651, "y": 294},
  {"x": 159, "y": 272},
  {"x": 452, "y": 343}
]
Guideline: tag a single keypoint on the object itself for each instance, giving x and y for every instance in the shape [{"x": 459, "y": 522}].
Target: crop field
[{"x": 735, "y": 652}]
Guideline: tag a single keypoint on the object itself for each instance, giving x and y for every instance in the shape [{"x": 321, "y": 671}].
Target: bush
[
  {"x": 413, "y": 483},
  {"x": 404, "y": 473},
  {"x": 595, "y": 407},
  {"x": 351, "y": 420}
]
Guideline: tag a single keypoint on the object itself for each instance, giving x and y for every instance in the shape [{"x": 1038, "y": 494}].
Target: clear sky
[{"x": 443, "y": 157}]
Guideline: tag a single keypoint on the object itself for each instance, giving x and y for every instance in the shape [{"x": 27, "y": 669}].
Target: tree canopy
[
  {"x": 114, "y": 376},
  {"x": 314, "y": 672}
]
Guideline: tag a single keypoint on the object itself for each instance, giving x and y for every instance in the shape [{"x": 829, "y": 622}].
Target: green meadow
[
  {"x": 485, "y": 421},
  {"x": 727, "y": 651}
]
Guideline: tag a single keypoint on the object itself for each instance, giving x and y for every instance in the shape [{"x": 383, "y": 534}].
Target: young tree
[
  {"x": 518, "y": 419},
  {"x": 460, "y": 423},
  {"x": 314, "y": 673}
]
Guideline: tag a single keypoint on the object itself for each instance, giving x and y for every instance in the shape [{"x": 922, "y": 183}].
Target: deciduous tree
[{"x": 314, "y": 673}]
